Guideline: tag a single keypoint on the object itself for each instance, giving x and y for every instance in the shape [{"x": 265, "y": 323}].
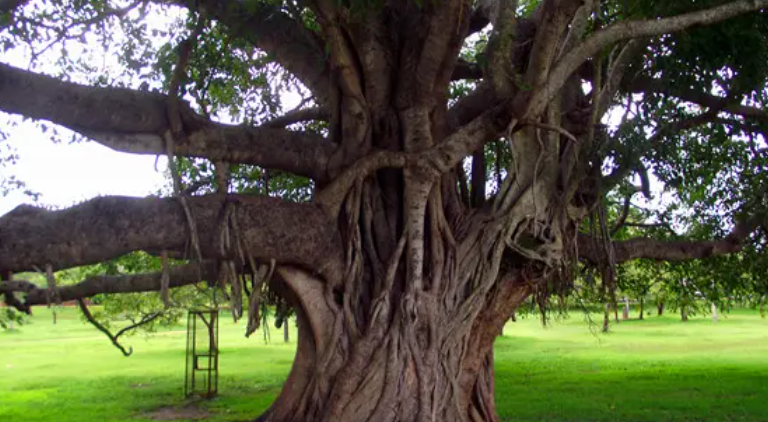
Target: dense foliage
[{"x": 403, "y": 174}]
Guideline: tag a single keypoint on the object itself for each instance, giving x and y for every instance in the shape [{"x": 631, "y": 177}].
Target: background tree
[{"x": 401, "y": 263}]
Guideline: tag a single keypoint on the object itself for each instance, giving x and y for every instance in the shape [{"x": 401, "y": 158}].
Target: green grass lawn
[{"x": 654, "y": 370}]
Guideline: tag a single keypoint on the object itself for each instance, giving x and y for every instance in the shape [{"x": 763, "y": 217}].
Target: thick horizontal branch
[
  {"x": 108, "y": 227},
  {"x": 110, "y": 284},
  {"x": 670, "y": 250},
  {"x": 135, "y": 122},
  {"x": 299, "y": 153},
  {"x": 72, "y": 105},
  {"x": 591, "y": 46}
]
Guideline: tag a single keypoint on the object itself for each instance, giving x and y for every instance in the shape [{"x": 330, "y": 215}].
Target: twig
[
  {"x": 165, "y": 280},
  {"x": 621, "y": 221},
  {"x": 114, "y": 338}
]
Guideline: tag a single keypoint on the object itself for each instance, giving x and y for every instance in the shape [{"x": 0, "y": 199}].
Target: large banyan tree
[{"x": 456, "y": 156}]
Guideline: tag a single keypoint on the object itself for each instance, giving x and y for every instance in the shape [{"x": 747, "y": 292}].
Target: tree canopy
[{"x": 403, "y": 173}]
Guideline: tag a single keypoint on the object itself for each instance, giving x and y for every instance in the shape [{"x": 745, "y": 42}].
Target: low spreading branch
[
  {"x": 670, "y": 250},
  {"x": 178, "y": 276},
  {"x": 291, "y": 233}
]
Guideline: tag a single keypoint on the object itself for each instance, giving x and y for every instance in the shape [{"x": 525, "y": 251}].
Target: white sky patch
[
  {"x": 68, "y": 173},
  {"x": 65, "y": 174}
]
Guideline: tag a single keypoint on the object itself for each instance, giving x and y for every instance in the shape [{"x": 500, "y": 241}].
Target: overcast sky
[{"x": 65, "y": 174}]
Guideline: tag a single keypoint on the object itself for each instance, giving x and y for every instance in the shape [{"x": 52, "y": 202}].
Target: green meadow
[{"x": 659, "y": 369}]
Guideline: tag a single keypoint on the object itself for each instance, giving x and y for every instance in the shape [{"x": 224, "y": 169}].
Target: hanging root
[
  {"x": 53, "y": 292},
  {"x": 222, "y": 176},
  {"x": 165, "y": 280},
  {"x": 259, "y": 278},
  {"x": 178, "y": 193},
  {"x": 227, "y": 270},
  {"x": 236, "y": 298},
  {"x": 609, "y": 261},
  {"x": 236, "y": 254},
  {"x": 176, "y": 132}
]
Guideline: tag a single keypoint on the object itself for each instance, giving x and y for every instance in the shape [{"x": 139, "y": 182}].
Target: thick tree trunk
[
  {"x": 642, "y": 306},
  {"x": 683, "y": 313},
  {"x": 405, "y": 332},
  {"x": 393, "y": 371},
  {"x": 660, "y": 308}
]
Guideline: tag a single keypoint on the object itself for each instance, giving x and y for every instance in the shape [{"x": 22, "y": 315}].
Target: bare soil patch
[{"x": 174, "y": 413}]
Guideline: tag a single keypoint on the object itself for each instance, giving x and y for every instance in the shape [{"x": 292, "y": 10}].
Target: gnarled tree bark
[{"x": 400, "y": 287}]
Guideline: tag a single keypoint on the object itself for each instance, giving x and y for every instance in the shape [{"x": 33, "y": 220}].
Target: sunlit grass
[
  {"x": 659, "y": 369},
  {"x": 654, "y": 370}
]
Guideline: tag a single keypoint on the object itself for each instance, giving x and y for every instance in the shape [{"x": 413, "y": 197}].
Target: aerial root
[
  {"x": 165, "y": 280},
  {"x": 236, "y": 257},
  {"x": 176, "y": 131},
  {"x": 52, "y": 293},
  {"x": 260, "y": 277}
]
